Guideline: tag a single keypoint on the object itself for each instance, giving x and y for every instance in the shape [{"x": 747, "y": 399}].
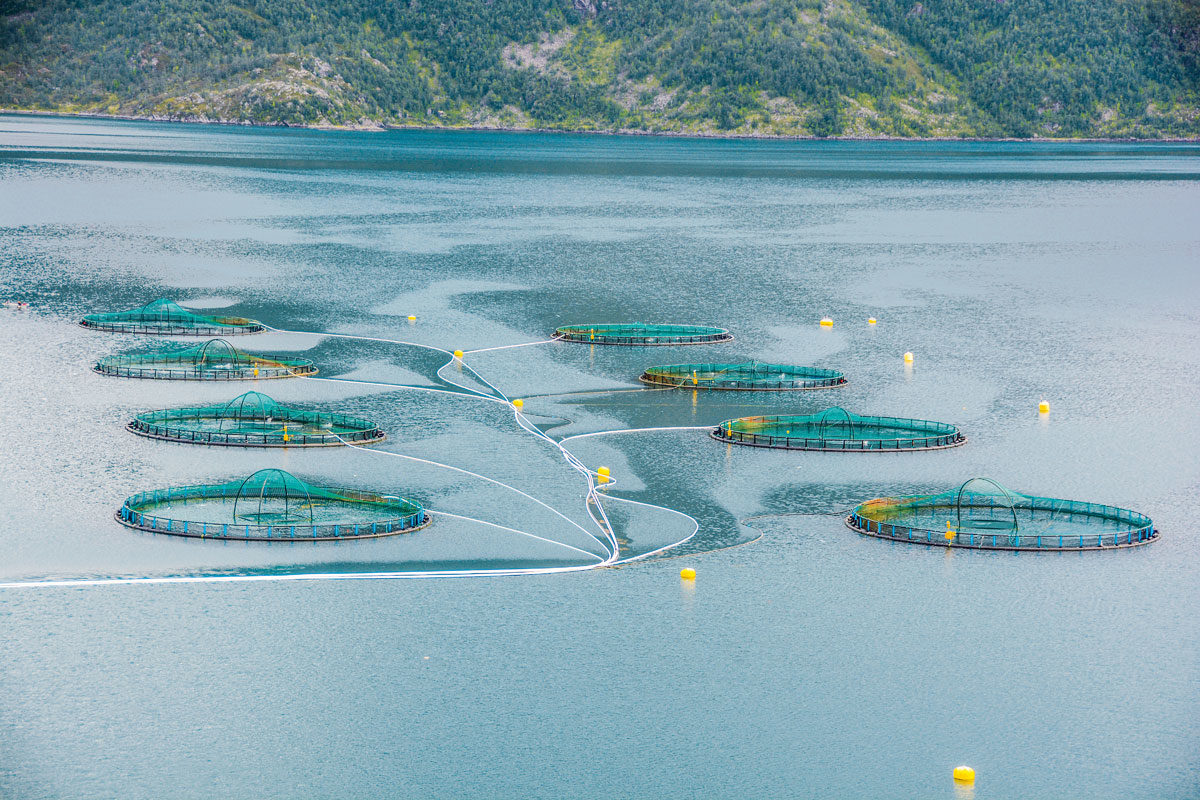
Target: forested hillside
[{"x": 1075, "y": 68}]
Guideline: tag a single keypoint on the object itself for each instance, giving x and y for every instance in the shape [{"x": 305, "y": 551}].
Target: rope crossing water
[{"x": 593, "y": 499}]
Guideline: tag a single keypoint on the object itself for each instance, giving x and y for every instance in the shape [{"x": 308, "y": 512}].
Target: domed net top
[
  {"x": 838, "y": 430},
  {"x": 271, "y": 505},
  {"x": 751, "y": 376},
  {"x": 214, "y": 360},
  {"x": 167, "y": 318},
  {"x": 984, "y": 514},
  {"x": 254, "y": 419},
  {"x": 640, "y": 333}
]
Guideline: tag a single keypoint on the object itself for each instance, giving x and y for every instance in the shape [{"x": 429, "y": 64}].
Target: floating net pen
[
  {"x": 984, "y": 515},
  {"x": 638, "y": 333},
  {"x": 838, "y": 430},
  {"x": 214, "y": 360},
  {"x": 168, "y": 318},
  {"x": 271, "y": 505},
  {"x": 751, "y": 376},
  {"x": 254, "y": 420}
]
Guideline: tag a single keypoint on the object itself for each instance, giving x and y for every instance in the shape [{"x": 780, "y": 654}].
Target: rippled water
[{"x": 810, "y": 662}]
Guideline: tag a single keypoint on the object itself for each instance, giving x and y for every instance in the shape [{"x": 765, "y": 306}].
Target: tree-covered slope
[{"x": 809, "y": 67}]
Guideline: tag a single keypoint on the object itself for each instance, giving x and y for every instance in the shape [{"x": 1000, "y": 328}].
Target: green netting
[
  {"x": 753, "y": 375},
  {"x": 254, "y": 420},
  {"x": 214, "y": 360},
  {"x": 640, "y": 333},
  {"x": 167, "y": 318},
  {"x": 839, "y": 430},
  {"x": 271, "y": 505},
  {"x": 983, "y": 514}
]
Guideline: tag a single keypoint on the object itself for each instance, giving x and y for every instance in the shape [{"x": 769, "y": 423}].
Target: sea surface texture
[{"x": 804, "y": 661}]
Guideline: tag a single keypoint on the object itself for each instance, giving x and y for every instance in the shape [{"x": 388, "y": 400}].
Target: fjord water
[{"x": 810, "y": 662}]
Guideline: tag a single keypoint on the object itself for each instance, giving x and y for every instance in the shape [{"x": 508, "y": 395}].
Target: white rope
[
  {"x": 593, "y": 496},
  {"x": 640, "y": 430},
  {"x": 508, "y": 346},
  {"x": 514, "y": 530}
]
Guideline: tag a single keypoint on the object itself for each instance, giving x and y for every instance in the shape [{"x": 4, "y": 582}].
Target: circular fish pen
[
  {"x": 984, "y": 515},
  {"x": 271, "y": 505},
  {"x": 254, "y": 420},
  {"x": 751, "y": 376},
  {"x": 640, "y": 333},
  {"x": 168, "y": 318},
  {"x": 837, "y": 430},
  {"x": 215, "y": 360}
]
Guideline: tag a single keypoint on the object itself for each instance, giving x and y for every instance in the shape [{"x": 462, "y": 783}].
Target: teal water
[{"x": 808, "y": 662}]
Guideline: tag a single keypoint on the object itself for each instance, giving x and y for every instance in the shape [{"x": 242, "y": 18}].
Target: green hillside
[{"x": 1076, "y": 68}]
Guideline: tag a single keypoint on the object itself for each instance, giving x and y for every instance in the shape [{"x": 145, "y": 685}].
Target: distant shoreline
[{"x": 382, "y": 127}]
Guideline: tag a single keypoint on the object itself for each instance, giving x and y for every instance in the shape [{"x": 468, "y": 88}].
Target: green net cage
[
  {"x": 254, "y": 419},
  {"x": 214, "y": 360},
  {"x": 640, "y": 333},
  {"x": 838, "y": 430},
  {"x": 271, "y": 505},
  {"x": 751, "y": 376},
  {"x": 167, "y": 318},
  {"x": 985, "y": 515}
]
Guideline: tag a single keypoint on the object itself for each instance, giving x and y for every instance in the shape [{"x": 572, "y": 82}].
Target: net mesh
[
  {"x": 837, "y": 429},
  {"x": 271, "y": 505},
  {"x": 982, "y": 513},
  {"x": 640, "y": 333},
  {"x": 214, "y": 360},
  {"x": 166, "y": 317},
  {"x": 752, "y": 375},
  {"x": 254, "y": 419}
]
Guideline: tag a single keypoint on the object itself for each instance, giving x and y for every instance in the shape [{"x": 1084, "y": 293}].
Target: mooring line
[
  {"x": 507, "y": 346},
  {"x": 640, "y": 430},
  {"x": 612, "y": 546}
]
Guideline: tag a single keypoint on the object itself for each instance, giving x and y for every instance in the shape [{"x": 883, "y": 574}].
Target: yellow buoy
[
  {"x": 870, "y": 320},
  {"x": 688, "y": 574},
  {"x": 964, "y": 774},
  {"x": 602, "y": 475},
  {"x": 1043, "y": 407},
  {"x": 458, "y": 354},
  {"x": 826, "y": 323},
  {"x": 412, "y": 317},
  {"x": 908, "y": 358},
  {"x": 518, "y": 403}
]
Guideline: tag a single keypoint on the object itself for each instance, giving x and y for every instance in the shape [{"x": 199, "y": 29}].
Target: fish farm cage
[
  {"x": 640, "y": 333},
  {"x": 168, "y": 318},
  {"x": 271, "y": 505},
  {"x": 984, "y": 515},
  {"x": 214, "y": 360},
  {"x": 751, "y": 376},
  {"x": 254, "y": 419},
  {"x": 836, "y": 429}
]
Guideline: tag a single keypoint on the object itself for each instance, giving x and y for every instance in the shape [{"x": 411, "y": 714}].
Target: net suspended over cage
[
  {"x": 640, "y": 333},
  {"x": 838, "y": 430},
  {"x": 984, "y": 514},
  {"x": 254, "y": 420},
  {"x": 751, "y": 376},
  {"x": 271, "y": 505},
  {"x": 214, "y": 360},
  {"x": 167, "y": 318}
]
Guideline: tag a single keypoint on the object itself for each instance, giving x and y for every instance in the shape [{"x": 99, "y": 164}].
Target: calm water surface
[{"x": 810, "y": 662}]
